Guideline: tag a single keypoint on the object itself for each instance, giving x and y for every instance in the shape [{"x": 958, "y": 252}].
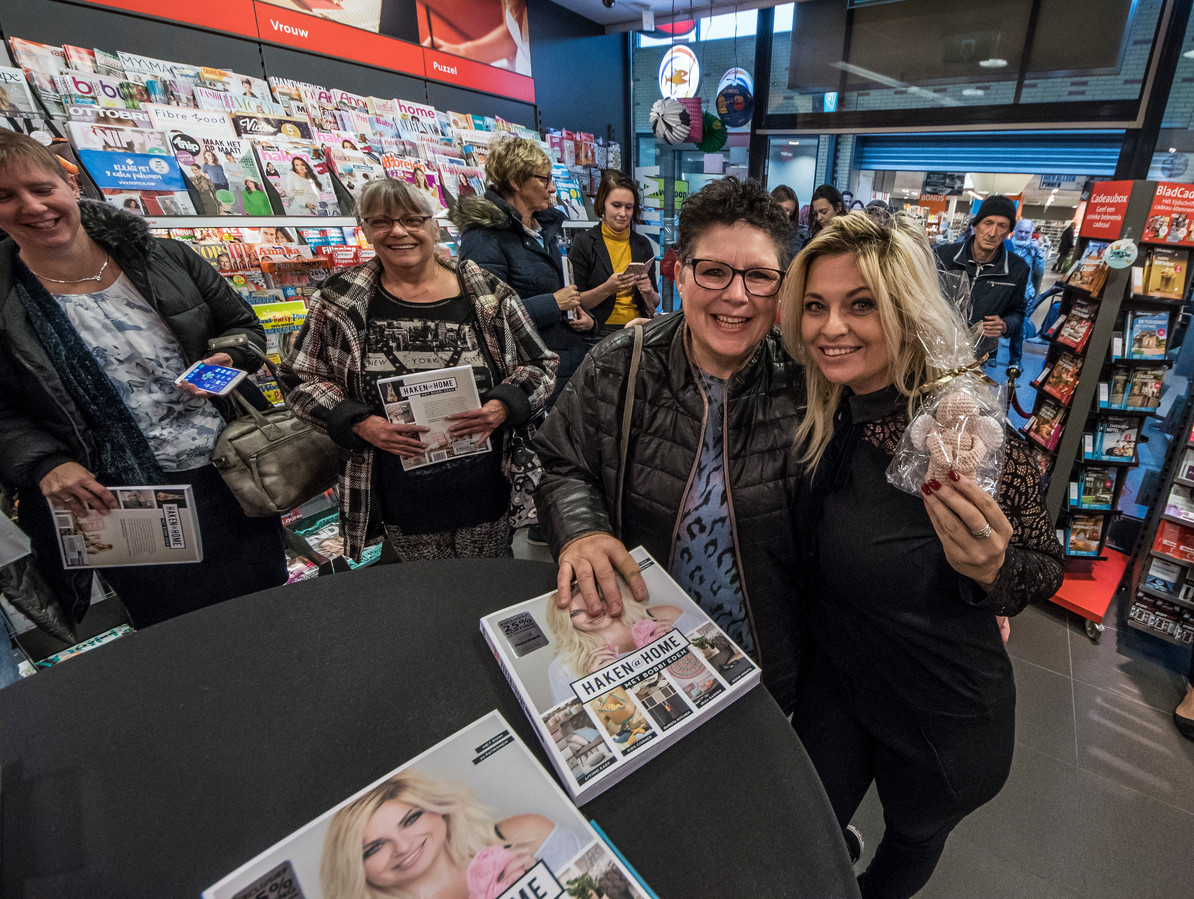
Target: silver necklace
[{"x": 97, "y": 277}]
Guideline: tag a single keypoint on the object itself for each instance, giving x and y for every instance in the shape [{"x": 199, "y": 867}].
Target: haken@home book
[
  {"x": 606, "y": 695},
  {"x": 474, "y": 815},
  {"x": 151, "y": 525}
]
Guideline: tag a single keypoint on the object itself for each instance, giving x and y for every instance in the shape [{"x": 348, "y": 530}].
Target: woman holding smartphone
[
  {"x": 612, "y": 264},
  {"x": 97, "y": 320}
]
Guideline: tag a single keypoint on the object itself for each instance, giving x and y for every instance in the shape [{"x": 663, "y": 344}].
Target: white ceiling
[{"x": 627, "y": 15}]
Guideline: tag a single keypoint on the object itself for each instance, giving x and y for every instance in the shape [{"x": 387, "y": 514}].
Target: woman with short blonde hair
[
  {"x": 516, "y": 234},
  {"x": 424, "y": 842}
]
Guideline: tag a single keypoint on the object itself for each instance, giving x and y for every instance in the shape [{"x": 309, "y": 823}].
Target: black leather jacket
[
  {"x": 40, "y": 427},
  {"x": 579, "y": 449}
]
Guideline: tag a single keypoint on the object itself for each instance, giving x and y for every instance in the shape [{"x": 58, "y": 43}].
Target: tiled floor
[{"x": 1100, "y": 802}]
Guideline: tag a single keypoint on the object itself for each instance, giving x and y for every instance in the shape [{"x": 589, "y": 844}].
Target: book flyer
[
  {"x": 1045, "y": 426},
  {"x": 1144, "y": 388},
  {"x": 427, "y": 399},
  {"x": 1063, "y": 377},
  {"x": 1078, "y": 325},
  {"x": 1098, "y": 488},
  {"x": 474, "y": 815},
  {"x": 606, "y": 695},
  {"x": 151, "y": 526}
]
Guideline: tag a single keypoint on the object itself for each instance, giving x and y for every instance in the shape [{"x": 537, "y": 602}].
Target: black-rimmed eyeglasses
[
  {"x": 713, "y": 275},
  {"x": 546, "y": 179},
  {"x": 384, "y": 223}
]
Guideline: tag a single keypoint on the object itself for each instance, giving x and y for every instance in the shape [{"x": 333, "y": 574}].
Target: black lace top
[{"x": 884, "y": 603}]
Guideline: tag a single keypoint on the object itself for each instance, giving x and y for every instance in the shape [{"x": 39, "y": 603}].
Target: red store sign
[
  {"x": 1105, "y": 210},
  {"x": 1170, "y": 215}
]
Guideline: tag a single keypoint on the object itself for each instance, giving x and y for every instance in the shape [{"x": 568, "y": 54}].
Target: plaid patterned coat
[{"x": 326, "y": 384}]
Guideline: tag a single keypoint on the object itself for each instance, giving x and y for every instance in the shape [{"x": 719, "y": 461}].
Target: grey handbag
[{"x": 271, "y": 461}]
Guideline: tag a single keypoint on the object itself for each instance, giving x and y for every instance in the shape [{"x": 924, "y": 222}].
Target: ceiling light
[
  {"x": 993, "y": 63},
  {"x": 1173, "y": 149},
  {"x": 1189, "y": 54},
  {"x": 793, "y": 143},
  {"x": 973, "y": 92}
]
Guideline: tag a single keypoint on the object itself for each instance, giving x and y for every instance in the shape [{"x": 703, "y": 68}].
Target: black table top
[{"x": 156, "y": 764}]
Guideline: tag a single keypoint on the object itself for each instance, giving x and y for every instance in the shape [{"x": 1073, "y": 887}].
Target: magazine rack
[
  {"x": 1102, "y": 379},
  {"x": 1162, "y": 576}
]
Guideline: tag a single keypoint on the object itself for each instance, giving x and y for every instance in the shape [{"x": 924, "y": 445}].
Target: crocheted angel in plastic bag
[{"x": 960, "y": 435}]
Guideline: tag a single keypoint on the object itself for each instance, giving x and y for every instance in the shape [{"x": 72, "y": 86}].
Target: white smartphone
[{"x": 217, "y": 379}]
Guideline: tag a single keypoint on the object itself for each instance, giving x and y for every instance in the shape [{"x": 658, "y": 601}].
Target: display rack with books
[
  {"x": 1162, "y": 576},
  {"x": 1106, "y": 366}
]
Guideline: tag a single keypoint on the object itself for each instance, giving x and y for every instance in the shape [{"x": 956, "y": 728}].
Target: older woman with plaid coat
[{"x": 405, "y": 312}]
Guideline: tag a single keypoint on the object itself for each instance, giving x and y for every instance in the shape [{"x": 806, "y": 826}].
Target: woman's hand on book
[
  {"x": 478, "y": 423},
  {"x": 76, "y": 488},
  {"x": 398, "y": 438},
  {"x": 595, "y": 561}
]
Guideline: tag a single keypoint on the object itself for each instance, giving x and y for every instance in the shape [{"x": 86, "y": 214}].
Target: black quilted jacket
[{"x": 579, "y": 448}]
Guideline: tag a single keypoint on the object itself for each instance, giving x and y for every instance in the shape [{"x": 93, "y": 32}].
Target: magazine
[
  {"x": 227, "y": 257},
  {"x": 265, "y": 127},
  {"x": 428, "y": 398},
  {"x": 1144, "y": 388},
  {"x": 1164, "y": 577},
  {"x": 353, "y": 169},
  {"x": 1085, "y": 534},
  {"x": 1166, "y": 272},
  {"x": 1078, "y": 325},
  {"x": 1098, "y": 488},
  {"x": 1116, "y": 438},
  {"x": 299, "y": 174},
  {"x": 15, "y": 98},
  {"x": 90, "y": 89},
  {"x": 1063, "y": 377},
  {"x": 1147, "y": 332},
  {"x": 1044, "y": 428},
  {"x": 603, "y": 702},
  {"x": 491, "y": 791},
  {"x": 1181, "y": 503},
  {"x": 151, "y": 526},
  {"x": 103, "y": 115},
  {"x": 41, "y": 63},
  {"x": 228, "y": 166},
  {"x": 133, "y": 169}
]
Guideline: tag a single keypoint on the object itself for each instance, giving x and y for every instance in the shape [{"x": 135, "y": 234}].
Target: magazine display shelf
[
  {"x": 1077, "y": 455},
  {"x": 1161, "y": 579}
]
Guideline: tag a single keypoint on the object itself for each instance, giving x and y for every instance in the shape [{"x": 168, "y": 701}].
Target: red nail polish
[
  {"x": 925, "y": 489},
  {"x": 953, "y": 475},
  {"x": 934, "y": 483}
]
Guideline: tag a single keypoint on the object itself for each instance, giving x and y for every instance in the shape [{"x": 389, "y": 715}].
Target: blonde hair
[
  {"x": 471, "y": 828},
  {"x": 898, "y": 266},
  {"x": 574, "y": 647},
  {"x": 513, "y": 160},
  {"x": 17, "y": 147},
  {"x": 389, "y": 196}
]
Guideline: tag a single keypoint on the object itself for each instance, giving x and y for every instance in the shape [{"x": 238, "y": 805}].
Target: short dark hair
[
  {"x": 726, "y": 202},
  {"x": 611, "y": 180}
]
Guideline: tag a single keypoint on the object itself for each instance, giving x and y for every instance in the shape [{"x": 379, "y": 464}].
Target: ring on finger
[{"x": 983, "y": 533}]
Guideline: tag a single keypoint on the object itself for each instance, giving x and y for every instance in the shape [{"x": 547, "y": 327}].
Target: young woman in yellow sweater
[{"x": 601, "y": 255}]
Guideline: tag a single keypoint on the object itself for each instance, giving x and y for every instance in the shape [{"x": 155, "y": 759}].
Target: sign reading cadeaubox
[{"x": 1105, "y": 210}]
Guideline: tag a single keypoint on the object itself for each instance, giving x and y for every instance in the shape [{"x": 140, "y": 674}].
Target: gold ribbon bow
[{"x": 974, "y": 368}]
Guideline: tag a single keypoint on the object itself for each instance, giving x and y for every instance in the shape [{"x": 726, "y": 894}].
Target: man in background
[{"x": 998, "y": 278}]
